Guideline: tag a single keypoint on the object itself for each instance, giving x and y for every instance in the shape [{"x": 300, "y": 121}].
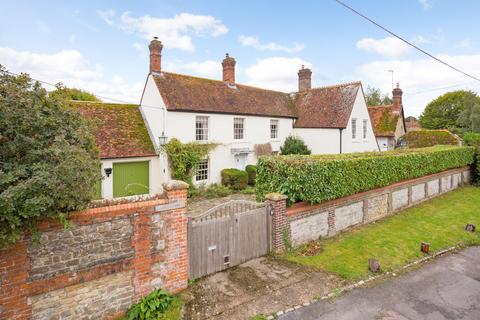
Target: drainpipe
[{"x": 341, "y": 131}]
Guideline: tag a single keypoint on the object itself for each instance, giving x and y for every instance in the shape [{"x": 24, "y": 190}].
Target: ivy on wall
[{"x": 185, "y": 157}]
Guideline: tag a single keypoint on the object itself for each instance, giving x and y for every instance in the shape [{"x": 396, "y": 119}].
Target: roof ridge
[
  {"x": 220, "y": 81},
  {"x": 339, "y": 85}
]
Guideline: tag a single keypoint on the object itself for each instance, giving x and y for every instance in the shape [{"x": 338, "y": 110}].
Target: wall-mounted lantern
[
  {"x": 162, "y": 140},
  {"x": 108, "y": 171}
]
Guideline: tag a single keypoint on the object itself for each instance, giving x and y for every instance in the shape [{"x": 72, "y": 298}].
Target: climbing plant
[{"x": 185, "y": 157}]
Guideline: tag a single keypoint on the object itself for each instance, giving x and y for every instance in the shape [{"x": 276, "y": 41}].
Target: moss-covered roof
[
  {"x": 120, "y": 130},
  {"x": 384, "y": 119}
]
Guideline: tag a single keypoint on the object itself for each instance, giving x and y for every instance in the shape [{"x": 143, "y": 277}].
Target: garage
[{"x": 130, "y": 178}]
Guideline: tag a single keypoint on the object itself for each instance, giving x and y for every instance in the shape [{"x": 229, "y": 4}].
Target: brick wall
[
  {"x": 111, "y": 257},
  {"x": 309, "y": 222}
]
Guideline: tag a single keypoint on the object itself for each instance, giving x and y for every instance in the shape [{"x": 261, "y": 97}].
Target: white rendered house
[{"x": 238, "y": 118}]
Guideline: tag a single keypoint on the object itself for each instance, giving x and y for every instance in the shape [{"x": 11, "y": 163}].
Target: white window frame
[
  {"x": 365, "y": 129},
  {"x": 238, "y": 133},
  {"x": 274, "y": 125},
  {"x": 203, "y": 176},
  {"x": 201, "y": 133},
  {"x": 354, "y": 129}
]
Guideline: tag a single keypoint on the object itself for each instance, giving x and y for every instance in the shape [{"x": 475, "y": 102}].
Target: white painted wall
[
  {"x": 383, "y": 143},
  {"x": 320, "y": 141},
  {"x": 155, "y": 171},
  {"x": 359, "y": 112}
]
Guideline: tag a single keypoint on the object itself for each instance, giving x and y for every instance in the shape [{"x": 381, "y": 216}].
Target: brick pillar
[
  {"x": 176, "y": 242},
  {"x": 280, "y": 225},
  {"x": 14, "y": 266}
]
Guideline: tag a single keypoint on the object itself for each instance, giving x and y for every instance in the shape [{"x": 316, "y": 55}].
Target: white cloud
[
  {"x": 426, "y": 4},
  {"x": 390, "y": 46},
  {"x": 276, "y": 73},
  {"x": 418, "y": 77},
  {"x": 174, "y": 32},
  {"x": 107, "y": 15},
  {"x": 141, "y": 49},
  {"x": 249, "y": 41},
  {"x": 71, "y": 68},
  {"x": 208, "y": 68}
]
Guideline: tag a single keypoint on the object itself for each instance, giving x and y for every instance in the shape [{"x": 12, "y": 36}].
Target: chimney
[
  {"x": 397, "y": 95},
  {"x": 304, "y": 79},
  {"x": 228, "y": 65},
  {"x": 155, "y": 47}
]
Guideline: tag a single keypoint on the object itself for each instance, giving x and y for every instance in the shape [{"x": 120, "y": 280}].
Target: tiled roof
[
  {"x": 384, "y": 119},
  {"x": 120, "y": 131},
  {"x": 187, "y": 93},
  {"x": 326, "y": 107}
]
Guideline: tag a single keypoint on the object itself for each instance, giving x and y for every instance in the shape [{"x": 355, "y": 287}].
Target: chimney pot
[
  {"x": 304, "y": 79},
  {"x": 397, "y": 95},
  {"x": 155, "y": 47},
  {"x": 228, "y": 65}
]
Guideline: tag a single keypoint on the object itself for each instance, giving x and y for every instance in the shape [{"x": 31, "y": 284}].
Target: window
[
  {"x": 201, "y": 128},
  {"x": 238, "y": 128},
  {"x": 273, "y": 129},
  {"x": 365, "y": 122},
  {"x": 354, "y": 129},
  {"x": 202, "y": 172}
]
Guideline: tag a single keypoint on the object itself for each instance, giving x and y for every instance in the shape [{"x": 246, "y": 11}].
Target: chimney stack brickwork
[
  {"x": 155, "y": 55},
  {"x": 397, "y": 95},
  {"x": 304, "y": 79},
  {"x": 228, "y": 65}
]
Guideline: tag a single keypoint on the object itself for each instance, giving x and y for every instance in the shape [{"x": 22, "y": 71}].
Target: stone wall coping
[
  {"x": 173, "y": 185},
  {"x": 302, "y": 207},
  {"x": 275, "y": 196}
]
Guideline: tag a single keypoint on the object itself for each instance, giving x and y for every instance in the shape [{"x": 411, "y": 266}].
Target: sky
[{"x": 102, "y": 46}]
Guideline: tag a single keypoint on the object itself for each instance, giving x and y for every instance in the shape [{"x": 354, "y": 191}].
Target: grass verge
[{"x": 395, "y": 241}]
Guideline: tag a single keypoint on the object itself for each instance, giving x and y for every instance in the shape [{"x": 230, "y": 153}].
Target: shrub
[
  {"x": 320, "y": 178},
  {"x": 156, "y": 305},
  {"x": 48, "y": 160},
  {"x": 234, "y": 178},
  {"x": 429, "y": 138},
  {"x": 214, "y": 191},
  {"x": 252, "y": 173},
  {"x": 293, "y": 145},
  {"x": 473, "y": 139}
]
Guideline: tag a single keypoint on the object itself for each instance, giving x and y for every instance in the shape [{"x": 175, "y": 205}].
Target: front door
[{"x": 240, "y": 161}]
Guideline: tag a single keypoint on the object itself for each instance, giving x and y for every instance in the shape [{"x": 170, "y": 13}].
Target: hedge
[
  {"x": 473, "y": 139},
  {"x": 429, "y": 138},
  {"x": 234, "y": 178},
  {"x": 319, "y": 178},
  {"x": 252, "y": 173}
]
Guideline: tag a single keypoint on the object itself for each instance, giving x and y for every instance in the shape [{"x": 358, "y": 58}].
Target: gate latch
[{"x": 211, "y": 248}]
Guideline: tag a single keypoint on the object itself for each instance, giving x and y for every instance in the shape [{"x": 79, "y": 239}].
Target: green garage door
[{"x": 130, "y": 178}]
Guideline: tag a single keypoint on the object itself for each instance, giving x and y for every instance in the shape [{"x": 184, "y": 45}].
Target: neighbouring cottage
[
  {"x": 237, "y": 117},
  {"x": 388, "y": 121},
  {"x": 130, "y": 164},
  {"x": 412, "y": 124}
]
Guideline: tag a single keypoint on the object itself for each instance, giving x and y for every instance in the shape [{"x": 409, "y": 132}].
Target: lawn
[{"x": 395, "y": 241}]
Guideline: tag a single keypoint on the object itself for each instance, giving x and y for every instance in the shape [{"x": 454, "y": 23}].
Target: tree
[
  {"x": 64, "y": 93},
  {"x": 293, "y": 145},
  {"x": 48, "y": 160},
  {"x": 444, "y": 111},
  {"x": 469, "y": 117},
  {"x": 375, "y": 97}
]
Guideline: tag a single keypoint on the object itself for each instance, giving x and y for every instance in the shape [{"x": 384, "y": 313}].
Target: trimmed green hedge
[
  {"x": 252, "y": 174},
  {"x": 429, "y": 138},
  {"x": 234, "y": 178},
  {"x": 473, "y": 139},
  {"x": 319, "y": 178}
]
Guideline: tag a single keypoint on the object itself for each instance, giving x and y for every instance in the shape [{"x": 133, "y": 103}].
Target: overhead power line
[{"x": 406, "y": 41}]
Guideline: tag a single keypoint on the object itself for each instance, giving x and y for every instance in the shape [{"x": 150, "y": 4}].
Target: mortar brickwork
[
  {"x": 111, "y": 257},
  {"x": 365, "y": 207}
]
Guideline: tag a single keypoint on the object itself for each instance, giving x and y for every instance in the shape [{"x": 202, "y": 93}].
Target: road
[{"x": 447, "y": 288}]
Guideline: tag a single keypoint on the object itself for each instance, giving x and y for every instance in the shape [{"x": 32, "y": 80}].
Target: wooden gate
[{"x": 227, "y": 235}]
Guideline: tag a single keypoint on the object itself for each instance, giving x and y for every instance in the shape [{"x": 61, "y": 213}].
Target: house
[
  {"x": 239, "y": 117},
  {"x": 389, "y": 121},
  {"x": 130, "y": 162}
]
